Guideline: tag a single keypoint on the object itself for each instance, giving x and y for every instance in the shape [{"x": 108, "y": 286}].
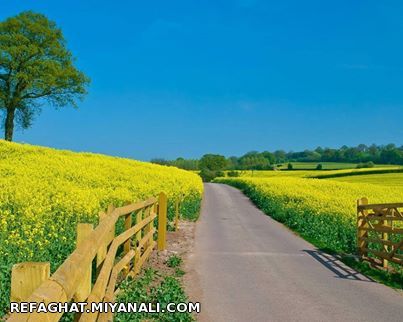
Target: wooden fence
[
  {"x": 380, "y": 232},
  {"x": 72, "y": 281}
]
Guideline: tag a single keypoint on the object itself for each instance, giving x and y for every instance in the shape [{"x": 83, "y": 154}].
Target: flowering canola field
[
  {"x": 318, "y": 173},
  {"x": 45, "y": 192},
  {"x": 384, "y": 179},
  {"x": 323, "y": 211}
]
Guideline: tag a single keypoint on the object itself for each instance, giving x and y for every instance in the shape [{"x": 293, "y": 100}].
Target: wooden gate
[{"x": 380, "y": 232}]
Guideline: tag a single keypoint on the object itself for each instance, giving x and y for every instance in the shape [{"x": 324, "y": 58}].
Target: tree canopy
[
  {"x": 213, "y": 162},
  {"x": 35, "y": 68}
]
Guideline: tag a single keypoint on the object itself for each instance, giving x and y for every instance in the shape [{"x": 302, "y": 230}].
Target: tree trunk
[{"x": 9, "y": 125}]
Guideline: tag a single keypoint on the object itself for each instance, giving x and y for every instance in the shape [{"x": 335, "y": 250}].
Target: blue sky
[{"x": 184, "y": 78}]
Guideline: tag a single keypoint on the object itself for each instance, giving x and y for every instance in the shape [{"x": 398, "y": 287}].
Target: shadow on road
[{"x": 337, "y": 267}]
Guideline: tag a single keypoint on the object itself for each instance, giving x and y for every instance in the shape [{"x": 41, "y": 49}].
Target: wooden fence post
[
  {"x": 151, "y": 225},
  {"x": 84, "y": 288},
  {"x": 138, "y": 236},
  {"x": 26, "y": 277},
  {"x": 162, "y": 221},
  {"x": 101, "y": 255},
  {"x": 128, "y": 225},
  {"x": 177, "y": 205},
  {"x": 128, "y": 244},
  {"x": 362, "y": 223},
  {"x": 385, "y": 237},
  {"x": 146, "y": 229}
]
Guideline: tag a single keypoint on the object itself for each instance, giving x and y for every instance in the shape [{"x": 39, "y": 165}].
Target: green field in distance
[
  {"x": 347, "y": 173},
  {"x": 325, "y": 165},
  {"x": 384, "y": 179}
]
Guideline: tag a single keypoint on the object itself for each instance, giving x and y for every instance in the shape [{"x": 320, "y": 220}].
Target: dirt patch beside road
[{"x": 178, "y": 243}]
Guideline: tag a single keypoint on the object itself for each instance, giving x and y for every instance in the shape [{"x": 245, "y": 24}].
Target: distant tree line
[
  {"x": 187, "y": 164},
  {"x": 378, "y": 154}
]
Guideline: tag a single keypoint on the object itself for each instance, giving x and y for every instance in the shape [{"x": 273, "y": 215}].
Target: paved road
[{"x": 247, "y": 267}]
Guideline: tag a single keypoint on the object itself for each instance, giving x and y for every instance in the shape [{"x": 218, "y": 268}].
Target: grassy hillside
[{"x": 45, "y": 192}]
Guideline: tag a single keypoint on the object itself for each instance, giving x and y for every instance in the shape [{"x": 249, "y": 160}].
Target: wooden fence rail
[
  {"x": 72, "y": 281},
  {"x": 380, "y": 232}
]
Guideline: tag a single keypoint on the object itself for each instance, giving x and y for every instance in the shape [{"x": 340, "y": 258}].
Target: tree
[
  {"x": 213, "y": 162},
  {"x": 233, "y": 162},
  {"x": 211, "y": 166},
  {"x": 280, "y": 156},
  {"x": 269, "y": 156},
  {"x": 187, "y": 164},
  {"x": 35, "y": 68},
  {"x": 391, "y": 156},
  {"x": 209, "y": 175},
  {"x": 160, "y": 161},
  {"x": 255, "y": 162},
  {"x": 319, "y": 150}
]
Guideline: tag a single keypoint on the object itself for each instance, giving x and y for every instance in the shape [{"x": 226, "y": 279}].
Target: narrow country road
[{"x": 246, "y": 267}]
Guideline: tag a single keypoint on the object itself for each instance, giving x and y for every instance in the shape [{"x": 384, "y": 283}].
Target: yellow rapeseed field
[{"x": 45, "y": 192}]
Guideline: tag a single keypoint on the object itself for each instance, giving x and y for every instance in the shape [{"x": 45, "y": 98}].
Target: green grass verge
[
  {"x": 154, "y": 286},
  {"x": 189, "y": 210},
  {"x": 394, "y": 280}
]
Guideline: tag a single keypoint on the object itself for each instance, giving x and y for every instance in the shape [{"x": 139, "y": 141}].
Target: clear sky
[{"x": 184, "y": 78}]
